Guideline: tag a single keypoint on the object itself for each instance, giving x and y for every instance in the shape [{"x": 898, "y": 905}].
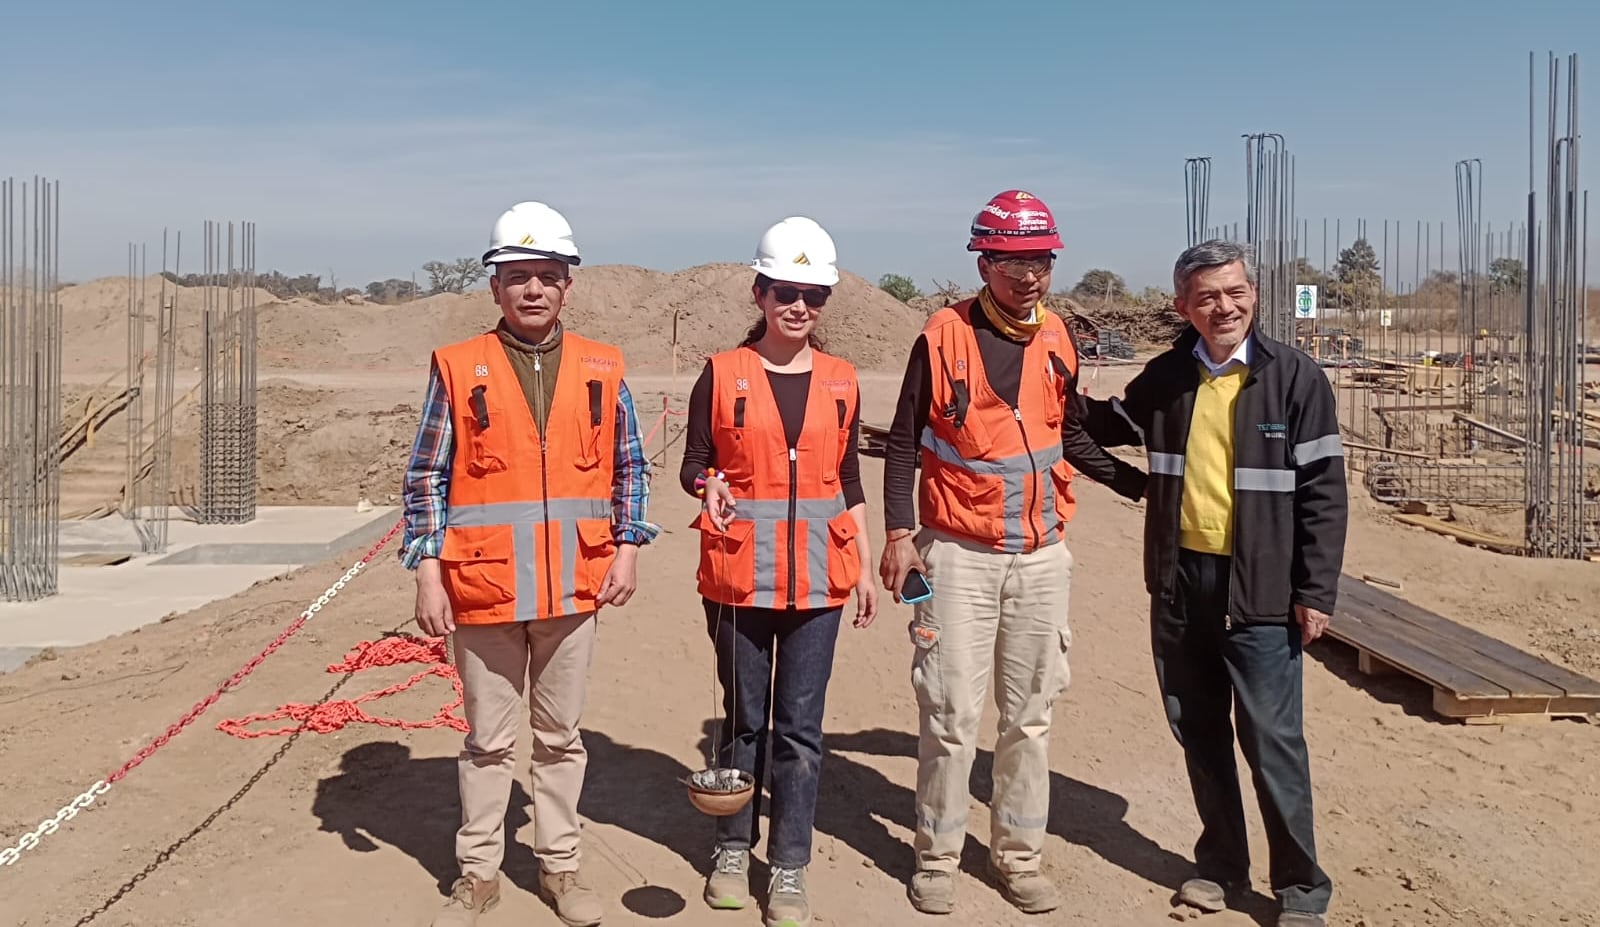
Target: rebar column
[
  {"x": 228, "y": 400},
  {"x": 1197, "y": 197},
  {"x": 1558, "y": 519},
  {"x": 1270, "y": 230},
  {"x": 30, "y": 389}
]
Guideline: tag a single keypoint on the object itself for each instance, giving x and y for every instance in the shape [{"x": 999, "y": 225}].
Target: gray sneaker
[
  {"x": 933, "y": 891},
  {"x": 1301, "y": 919},
  {"x": 728, "y": 886},
  {"x": 786, "y": 899}
]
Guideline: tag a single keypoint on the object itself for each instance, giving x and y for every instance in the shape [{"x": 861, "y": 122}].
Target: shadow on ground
[
  {"x": 1411, "y": 695},
  {"x": 385, "y": 796}
]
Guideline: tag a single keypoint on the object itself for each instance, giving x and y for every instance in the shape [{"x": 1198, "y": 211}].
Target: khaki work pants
[
  {"x": 1005, "y": 615},
  {"x": 496, "y": 663}
]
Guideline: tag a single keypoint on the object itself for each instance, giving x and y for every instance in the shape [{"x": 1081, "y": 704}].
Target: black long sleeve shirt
[
  {"x": 790, "y": 390},
  {"x": 1002, "y": 361}
]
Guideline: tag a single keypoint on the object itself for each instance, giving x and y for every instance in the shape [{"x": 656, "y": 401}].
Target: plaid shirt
[{"x": 427, "y": 480}]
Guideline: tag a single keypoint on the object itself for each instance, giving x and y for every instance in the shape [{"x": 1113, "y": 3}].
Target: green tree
[
  {"x": 1507, "y": 275},
  {"x": 1100, "y": 283},
  {"x": 453, "y": 276},
  {"x": 901, "y": 288},
  {"x": 1357, "y": 274}
]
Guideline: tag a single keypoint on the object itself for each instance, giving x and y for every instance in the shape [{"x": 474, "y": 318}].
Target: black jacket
[{"x": 1290, "y": 505}]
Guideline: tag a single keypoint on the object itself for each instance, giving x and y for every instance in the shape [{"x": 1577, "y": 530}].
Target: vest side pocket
[
  {"x": 844, "y": 557},
  {"x": 1066, "y": 502},
  {"x": 476, "y": 566},
  {"x": 597, "y": 550}
]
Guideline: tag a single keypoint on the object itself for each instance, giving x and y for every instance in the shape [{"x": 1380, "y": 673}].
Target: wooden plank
[
  {"x": 96, "y": 559},
  {"x": 1348, "y": 626},
  {"x": 1520, "y": 661},
  {"x": 1494, "y": 711},
  {"x": 1445, "y": 647},
  {"x": 1493, "y": 542}
]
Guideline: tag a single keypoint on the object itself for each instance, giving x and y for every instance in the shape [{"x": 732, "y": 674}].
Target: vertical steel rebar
[{"x": 30, "y": 388}]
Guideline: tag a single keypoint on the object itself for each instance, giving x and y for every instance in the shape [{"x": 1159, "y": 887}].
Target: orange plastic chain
[{"x": 335, "y": 714}]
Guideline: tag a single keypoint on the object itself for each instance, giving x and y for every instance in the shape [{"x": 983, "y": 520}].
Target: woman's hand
[{"x": 719, "y": 503}]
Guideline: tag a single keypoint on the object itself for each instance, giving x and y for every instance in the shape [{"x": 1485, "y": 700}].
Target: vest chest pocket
[
  {"x": 592, "y": 419},
  {"x": 482, "y": 444},
  {"x": 476, "y": 564}
]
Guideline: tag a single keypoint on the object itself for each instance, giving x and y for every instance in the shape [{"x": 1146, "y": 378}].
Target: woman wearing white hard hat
[{"x": 771, "y": 452}]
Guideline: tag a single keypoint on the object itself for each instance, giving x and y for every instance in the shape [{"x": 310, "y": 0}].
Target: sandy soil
[
  {"x": 636, "y": 308},
  {"x": 1421, "y": 822}
]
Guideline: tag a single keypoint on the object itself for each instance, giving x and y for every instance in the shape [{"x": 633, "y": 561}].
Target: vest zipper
[
  {"x": 1037, "y": 540},
  {"x": 544, "y": 482},
  {"x": 793, "y": 478}
]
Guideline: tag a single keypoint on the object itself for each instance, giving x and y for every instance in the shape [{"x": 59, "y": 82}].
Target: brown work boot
[
  {"x": 1030, "y": 892},
  {"x": 470, "y": 896},
  {"x": 933, "y": 891},
  {"x": 575, "y": 903}
]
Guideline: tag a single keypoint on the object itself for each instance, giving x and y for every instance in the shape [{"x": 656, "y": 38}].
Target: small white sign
[
  {"x": 1305, "y": 301},
  {"x": 1385, "y": 317}
]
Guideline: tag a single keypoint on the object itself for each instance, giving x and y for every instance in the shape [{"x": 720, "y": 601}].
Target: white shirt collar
[{"x": 1240, "y": 355}]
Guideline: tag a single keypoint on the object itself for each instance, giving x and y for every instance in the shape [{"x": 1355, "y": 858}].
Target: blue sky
[{"x": 367, "y": 138}]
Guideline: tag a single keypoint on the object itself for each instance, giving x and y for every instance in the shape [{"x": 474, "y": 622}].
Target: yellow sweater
[{"x": 1206, "y": 523}]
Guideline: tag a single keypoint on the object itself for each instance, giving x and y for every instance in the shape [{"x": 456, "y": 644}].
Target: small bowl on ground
[{"x": 720, "y": 792}]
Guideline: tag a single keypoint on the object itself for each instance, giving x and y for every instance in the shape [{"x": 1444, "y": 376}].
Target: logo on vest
[
  {"x": 840, "y": 385},
  {"x": 1273, "y": 430},
  {"x": 741, "y": 384},
  {"x": 961, "y": 365},
  {"x": 481, "y": 371},
  {"x": 603, "y": 363}
]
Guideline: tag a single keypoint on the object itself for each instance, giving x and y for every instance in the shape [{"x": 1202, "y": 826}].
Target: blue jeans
[
  {"x": 1253, "y": 671},
  {"x": 789, "y": 654}
]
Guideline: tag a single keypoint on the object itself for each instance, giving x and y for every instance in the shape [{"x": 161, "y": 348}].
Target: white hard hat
[
  {"x": 530, "y": 231},
  {"x": 797, "y": 250}
]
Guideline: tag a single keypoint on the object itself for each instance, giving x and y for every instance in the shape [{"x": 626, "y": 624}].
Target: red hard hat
[{"x": 1014, "y": 221}]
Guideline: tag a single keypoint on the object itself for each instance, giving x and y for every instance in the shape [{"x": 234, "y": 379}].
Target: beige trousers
[
  {"x": 496, "y": 663},
  {"x": 997, "y": 614}
]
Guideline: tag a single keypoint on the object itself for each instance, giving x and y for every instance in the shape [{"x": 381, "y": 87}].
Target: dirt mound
[{"x": 632, "y": 307}]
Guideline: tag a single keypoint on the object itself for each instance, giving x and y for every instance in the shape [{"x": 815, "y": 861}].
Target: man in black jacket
[{"x": 1244, "y": 543}]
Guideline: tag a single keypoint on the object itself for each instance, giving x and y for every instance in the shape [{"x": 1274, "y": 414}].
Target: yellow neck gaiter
[{"x": 1009, "y": 326}]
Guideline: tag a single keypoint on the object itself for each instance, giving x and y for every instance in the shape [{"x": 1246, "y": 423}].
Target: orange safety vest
[
  {"x": 528, "y": 524},
  {"x": 991, "y": 473},
  {"x": 792, "y": 542}
]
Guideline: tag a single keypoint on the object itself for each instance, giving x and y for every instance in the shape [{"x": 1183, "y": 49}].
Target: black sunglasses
[{"x": 815, "y": 298}]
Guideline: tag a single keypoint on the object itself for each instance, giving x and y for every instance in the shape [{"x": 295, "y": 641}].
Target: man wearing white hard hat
[
  {"x": 525, "y": 506},
  {"x": 771, "y": 452}
]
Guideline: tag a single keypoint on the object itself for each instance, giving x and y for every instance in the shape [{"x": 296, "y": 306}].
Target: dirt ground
[{"x": 1421, "y": 822}]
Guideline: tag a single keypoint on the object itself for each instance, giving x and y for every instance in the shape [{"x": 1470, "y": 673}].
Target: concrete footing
[{"x": 203, "y": 563}]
